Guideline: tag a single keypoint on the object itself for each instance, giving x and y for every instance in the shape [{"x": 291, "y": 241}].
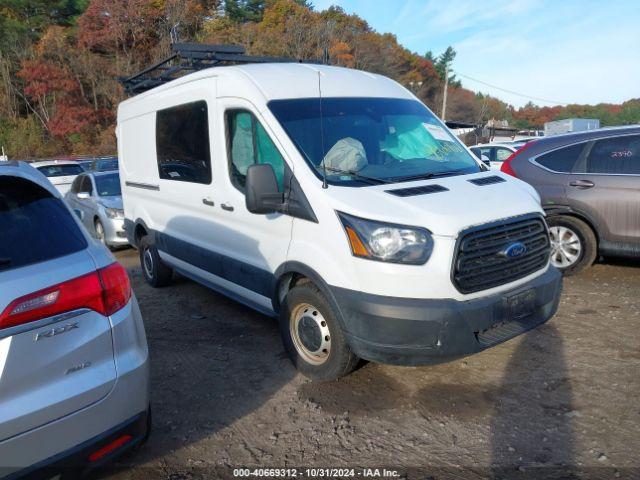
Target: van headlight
[
  {"x": 114, "y": 212},
  {"x": 387, "y": 242}
]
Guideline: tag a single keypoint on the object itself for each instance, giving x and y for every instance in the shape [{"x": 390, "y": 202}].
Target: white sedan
[{"x": 61, "y": 173}]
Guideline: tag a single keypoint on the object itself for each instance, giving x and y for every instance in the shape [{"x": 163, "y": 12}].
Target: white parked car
[
  {"x": 493, "y": 154},
  {"x": 354, "y": 216},
  {"x": 61, "y": 173}
]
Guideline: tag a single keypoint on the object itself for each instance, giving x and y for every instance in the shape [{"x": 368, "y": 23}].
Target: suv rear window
[
  {"x": 36, "y": 226},
  {"x": 563, "y": 159}
]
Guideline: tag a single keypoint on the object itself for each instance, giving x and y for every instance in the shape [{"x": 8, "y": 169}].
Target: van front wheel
[
  {"x": 312, "y": 335},
  {"x": 155, "y": 272}
]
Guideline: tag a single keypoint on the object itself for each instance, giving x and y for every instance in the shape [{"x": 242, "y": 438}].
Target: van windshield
[{"x": 371, "y": 140}]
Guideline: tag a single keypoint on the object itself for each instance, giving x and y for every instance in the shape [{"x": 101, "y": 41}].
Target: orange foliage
[{"x": 340, "y": 52}]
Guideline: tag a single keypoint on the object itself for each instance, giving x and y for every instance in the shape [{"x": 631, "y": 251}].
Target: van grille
[{"x": 481, "y": 262}]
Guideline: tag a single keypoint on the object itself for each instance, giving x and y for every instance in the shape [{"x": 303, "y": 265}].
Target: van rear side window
[
  {"x": 34, "y": 225},
  {"x": 182, "y": 143}
]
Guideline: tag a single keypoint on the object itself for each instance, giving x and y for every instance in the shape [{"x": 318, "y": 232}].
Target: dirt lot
[{"x": 560, "y": 402}]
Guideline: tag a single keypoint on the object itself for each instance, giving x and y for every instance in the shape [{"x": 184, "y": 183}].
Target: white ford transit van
[{"x": 335, "y": 200}]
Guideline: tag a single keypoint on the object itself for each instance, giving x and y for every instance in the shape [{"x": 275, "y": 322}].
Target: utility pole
[{"x": 444, "y": 97}]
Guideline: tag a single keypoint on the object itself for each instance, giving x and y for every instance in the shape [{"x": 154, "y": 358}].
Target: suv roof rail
[{"x": 191, "y": 57}]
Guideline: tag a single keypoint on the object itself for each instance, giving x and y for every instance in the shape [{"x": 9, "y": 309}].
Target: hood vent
[
  {"x": 482, "y": 181},
  {"x": 422, "y": 190}
]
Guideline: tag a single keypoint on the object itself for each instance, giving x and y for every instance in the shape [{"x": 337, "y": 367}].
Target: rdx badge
[{"x": 52, "y": 332}]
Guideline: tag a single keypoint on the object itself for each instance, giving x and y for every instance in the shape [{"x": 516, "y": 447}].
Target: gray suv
[
  {"x": 73, "y": 353},
  {"x": 589, "y": 183}
]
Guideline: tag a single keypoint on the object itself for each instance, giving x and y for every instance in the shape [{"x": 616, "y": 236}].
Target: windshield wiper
[
  {"x": 364, "y": 178},
  {"x": 4, "y": 261},
  {"x": 426, "y": 176}
]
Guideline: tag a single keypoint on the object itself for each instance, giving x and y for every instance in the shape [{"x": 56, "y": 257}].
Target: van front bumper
[{"x": 406, "y": 331}]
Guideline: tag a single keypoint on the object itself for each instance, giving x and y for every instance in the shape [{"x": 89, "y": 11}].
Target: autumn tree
[
  {"x": 60, "y": 61},
  {"x": 57, "y": 98},
  {"x": 125, "y": 29}
]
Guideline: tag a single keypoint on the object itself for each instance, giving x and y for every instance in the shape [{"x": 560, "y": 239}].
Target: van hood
[{"x": 445, "y": 213}]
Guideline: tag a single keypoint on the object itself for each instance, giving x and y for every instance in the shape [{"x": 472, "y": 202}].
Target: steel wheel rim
[
  {"x": 310, "y": 334},
  {"x": 100, "y": 232},
  {"x": 566, "y": 246},
  {"x": 147, "y": 262}
]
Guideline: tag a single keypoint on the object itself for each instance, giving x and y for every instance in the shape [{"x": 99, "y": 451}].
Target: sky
[{"x": 558, "y": 51}]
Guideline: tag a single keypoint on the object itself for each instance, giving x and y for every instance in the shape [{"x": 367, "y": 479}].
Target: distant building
[{"x": 570, "y": 125}]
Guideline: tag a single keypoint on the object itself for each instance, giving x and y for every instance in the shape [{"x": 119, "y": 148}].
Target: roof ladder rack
[{"x": 191, "y": 57}]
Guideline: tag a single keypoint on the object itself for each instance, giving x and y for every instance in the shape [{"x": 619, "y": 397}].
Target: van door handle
[
  {"x": 582, "y": 184},
  {"x": 227, "y": 207},
  {"x": 208, "y": 201}
]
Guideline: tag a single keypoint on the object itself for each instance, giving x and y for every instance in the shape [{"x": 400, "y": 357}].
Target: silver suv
[{"x": 73, "y": 352}]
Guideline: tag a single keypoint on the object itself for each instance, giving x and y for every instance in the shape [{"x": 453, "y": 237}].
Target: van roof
[{"x": 287, "y": 80}]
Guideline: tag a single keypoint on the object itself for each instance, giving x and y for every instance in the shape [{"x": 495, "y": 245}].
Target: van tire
[
  {"x": 155, "y": 271},
  {"x": 306, "y": 300},
  {"x": 586, "y": 236}
]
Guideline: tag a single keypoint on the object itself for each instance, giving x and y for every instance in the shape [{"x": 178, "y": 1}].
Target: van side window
[
  {"x": 563, "y": 159},
  {"x": 620, "y": 155},
  {"x": 248, "y": 144},
  {"x": 182, "y": 143}
]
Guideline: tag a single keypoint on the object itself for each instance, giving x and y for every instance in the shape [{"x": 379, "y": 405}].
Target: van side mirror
[
  {"x": 261, "y": 190},
  {"x": 83, "y": 195}
]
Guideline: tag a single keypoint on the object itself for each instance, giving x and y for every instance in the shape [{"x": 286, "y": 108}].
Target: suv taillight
[
  {"x": 105, "y": 291},
  {"x": 506, "y": 165}
]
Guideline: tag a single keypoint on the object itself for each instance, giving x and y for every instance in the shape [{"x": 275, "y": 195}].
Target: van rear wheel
[
  {"x": 312, "y": 335},
  {"x": 155, "y": 271}
]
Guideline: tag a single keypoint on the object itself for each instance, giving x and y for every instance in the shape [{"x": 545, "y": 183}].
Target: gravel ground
[{"x": 559, "y": 402}]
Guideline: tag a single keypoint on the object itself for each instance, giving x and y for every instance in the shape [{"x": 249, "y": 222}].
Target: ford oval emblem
[{"x": 515, "y": 250}]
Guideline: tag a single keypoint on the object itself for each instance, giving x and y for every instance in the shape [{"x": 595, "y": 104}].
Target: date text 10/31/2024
[{"x": 315, "y": 473}]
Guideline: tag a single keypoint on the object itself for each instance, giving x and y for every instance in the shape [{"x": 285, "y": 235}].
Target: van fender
[
  {"x": 130, "y": 228},
  {"x": 283, "y": 275}
]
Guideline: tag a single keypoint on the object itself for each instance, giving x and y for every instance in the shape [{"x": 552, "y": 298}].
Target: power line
[{"x": 539, "y": 99}]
